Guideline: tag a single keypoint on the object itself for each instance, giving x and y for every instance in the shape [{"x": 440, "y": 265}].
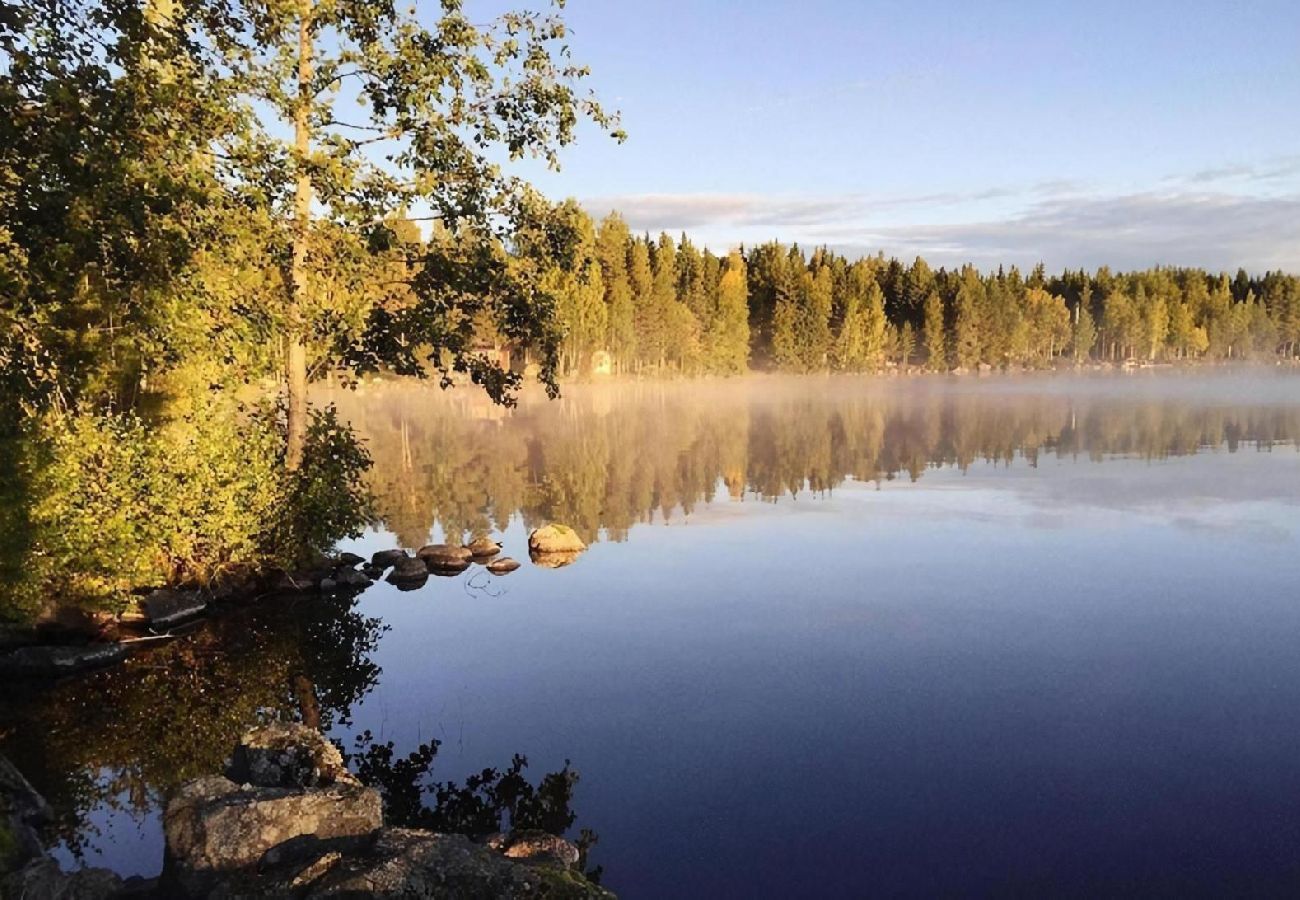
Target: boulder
[
  {"x": 555, "y": 539},
  {"x": 288, "y": 755},
  {"x": 216, "y": 829},
  {"x": 444, "y": 555},
  {"x": 351, "y": 560},
  {"x": 411, "y": 863},
  {"x": 483, "y": 548},
  {"x": 54, "y": 662},
  {"x": 166, "y": 607},
  {"x": 409, "y": 573},
  {"x": 503, "y": 565},
  {"x": 385, "y": 558},
  {"x": 22, "y": 812},
  {"x": 44, "y": 880},
  {"x": 540, "y": 845}
]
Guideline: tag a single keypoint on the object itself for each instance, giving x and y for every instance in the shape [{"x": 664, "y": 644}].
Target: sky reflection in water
[{"x": 1023, "y": 671}]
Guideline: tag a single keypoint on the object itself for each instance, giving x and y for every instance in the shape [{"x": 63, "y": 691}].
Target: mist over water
[{"x": 916, "y": 636}]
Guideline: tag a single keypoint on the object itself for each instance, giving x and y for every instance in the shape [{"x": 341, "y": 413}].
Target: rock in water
[
  {"x": 216, "y": 829},
  {"x": 351, "y": 578},
  {"x": 22, "y": 812},
  {"x": 53, "y": 662},
  {"x": 502, "y": 566},
  {"x": 555, "y": 539},
  {"x": 409, "y": 573},
  {"x": 385, "y": 558},
  {"x": 287, "y": 755},
  {"x": 410, "y": 863},
  {"x": 350, "y": 559},
  {"x": 166, "y": 607},
  {"x": 44, "y": 880},
  {"x": 483, "y": 548},
  {"x": 443, "y": 555},
  {"x": 540, "y": 845}
]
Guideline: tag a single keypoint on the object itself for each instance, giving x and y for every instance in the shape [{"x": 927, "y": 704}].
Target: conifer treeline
[{"x": 665, "y": 305}]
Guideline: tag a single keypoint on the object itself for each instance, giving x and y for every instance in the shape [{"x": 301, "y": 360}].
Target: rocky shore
[
  {"x": 288, "y": 820},
  {"x": 69, "y": 640}
]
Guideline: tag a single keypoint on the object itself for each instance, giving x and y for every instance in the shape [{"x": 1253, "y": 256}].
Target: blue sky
[{"x": 1077, "y": 133}]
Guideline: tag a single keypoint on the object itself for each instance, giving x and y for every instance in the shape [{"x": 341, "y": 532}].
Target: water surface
[{"x": 833, "y": 636}]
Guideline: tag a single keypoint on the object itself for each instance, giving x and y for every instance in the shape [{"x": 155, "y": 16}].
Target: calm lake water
[{"x": 833, "y": 637}]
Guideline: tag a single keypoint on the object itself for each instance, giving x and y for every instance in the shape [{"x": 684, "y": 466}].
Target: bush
[{"x": 112, "y": 503}]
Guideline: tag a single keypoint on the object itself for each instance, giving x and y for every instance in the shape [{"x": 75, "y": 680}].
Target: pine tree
[
  {"x": 971, "y": 320},
  {"x": 934, "y": 333},
  {"x": 728, "y": 335}
]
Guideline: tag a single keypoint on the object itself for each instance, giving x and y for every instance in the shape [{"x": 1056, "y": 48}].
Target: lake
[{"x": 832, "y": 637}]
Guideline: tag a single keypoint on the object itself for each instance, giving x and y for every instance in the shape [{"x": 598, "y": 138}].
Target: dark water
[{"x": 832, "y": 637}]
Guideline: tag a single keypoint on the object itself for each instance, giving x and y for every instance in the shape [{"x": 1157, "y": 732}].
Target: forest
[{"x": 210, "y": 205}]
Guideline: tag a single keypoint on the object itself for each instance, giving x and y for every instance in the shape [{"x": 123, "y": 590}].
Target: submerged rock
[
  {"x": 166, "y": 607},
  {"x": 503, "y": 565},
  {"x": 555, "y": 539},
  {"x": 483, "y": 548},
  {"x": 53, "y": 662}
]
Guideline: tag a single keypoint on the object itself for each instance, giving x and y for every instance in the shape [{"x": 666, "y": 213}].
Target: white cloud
[{"x": 1050, "y": 221}]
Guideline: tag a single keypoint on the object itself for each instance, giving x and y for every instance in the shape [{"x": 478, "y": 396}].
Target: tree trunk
[{"x": 296, "y": 356}]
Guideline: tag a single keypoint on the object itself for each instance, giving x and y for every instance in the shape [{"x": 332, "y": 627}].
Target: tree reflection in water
[
  {"x": 605, "y": 458},
  {"x": 120, "y": 740}
]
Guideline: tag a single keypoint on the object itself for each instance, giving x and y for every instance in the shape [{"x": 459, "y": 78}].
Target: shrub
[{"x": 112, "y": 503}]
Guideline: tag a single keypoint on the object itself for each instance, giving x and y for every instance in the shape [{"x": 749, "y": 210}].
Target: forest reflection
[{"x": 606, "y": 458}]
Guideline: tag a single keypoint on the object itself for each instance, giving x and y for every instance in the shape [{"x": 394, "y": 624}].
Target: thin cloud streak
[{"x": 1053, "y": 224}]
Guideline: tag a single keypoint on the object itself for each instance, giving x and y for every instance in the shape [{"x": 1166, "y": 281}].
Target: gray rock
[
  {"x": 385, "y": 558},
  {"x": 410, "y": 863},
  {"x": 54, "y": 662},
  {"x": 166, "y": 607},
  {"x": 328, "y": 585},
  {"x": 288, "y": 755},
  {"x": 483, "y": 548},
  {"x": 503, "y": 565},
  {"x": 351, "y": 559},
  {"x": 444, "y": 555},
  {"x": 216, "y": 829},
  {"x": 44, "y": 880}
]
